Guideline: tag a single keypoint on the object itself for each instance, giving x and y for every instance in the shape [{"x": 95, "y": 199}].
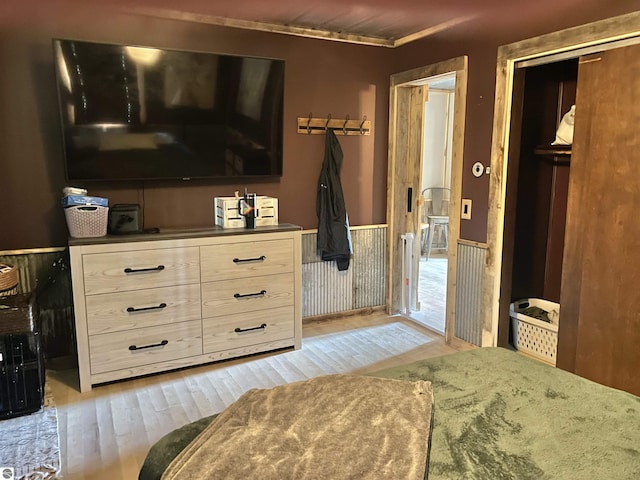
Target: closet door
[{"x": 599, "y": 334}]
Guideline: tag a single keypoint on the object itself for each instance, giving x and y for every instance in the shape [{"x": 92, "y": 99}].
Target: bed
[{"x": 501, "y": 415}]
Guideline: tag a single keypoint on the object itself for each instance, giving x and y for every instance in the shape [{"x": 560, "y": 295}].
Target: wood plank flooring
[
  {"x": 432, "y": 292},
  {"x": 106, "y": 433}
]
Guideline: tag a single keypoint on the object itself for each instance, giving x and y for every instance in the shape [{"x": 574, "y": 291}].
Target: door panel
[
  {"x": 599, "y": 323},
  {"x": 406, "y": 144}
]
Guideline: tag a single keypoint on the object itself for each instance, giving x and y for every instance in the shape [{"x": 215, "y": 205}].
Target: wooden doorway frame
[
  {"x": 567, "y": 42},
  {"x": 396, "y": 190}
]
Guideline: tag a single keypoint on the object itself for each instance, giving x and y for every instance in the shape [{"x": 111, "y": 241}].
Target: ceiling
[{"x": 387, "y": 23}]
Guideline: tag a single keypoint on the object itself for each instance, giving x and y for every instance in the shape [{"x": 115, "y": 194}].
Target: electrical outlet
[{"x": 466, "y": 209}]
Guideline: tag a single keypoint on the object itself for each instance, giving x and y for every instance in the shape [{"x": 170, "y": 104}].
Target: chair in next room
[{"x": 435, "y": 213}]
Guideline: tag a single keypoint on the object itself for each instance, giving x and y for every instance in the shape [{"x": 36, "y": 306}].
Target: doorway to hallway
[
  {"x": 430, "y": 289},
  {"x": 408, "y": 96}
]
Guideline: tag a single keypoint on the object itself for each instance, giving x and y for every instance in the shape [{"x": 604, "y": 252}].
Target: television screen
[{"x": 137, "y": 113}]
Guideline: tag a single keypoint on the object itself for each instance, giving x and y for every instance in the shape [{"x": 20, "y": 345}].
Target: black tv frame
[{"x": 111, "y": 132}]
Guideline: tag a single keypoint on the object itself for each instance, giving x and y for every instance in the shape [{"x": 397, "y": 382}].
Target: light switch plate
[{"x": 465, "y": 214}]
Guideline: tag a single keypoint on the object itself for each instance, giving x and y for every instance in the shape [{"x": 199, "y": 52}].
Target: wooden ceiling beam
[
  {"x": 427, "y": 32},
  {"x": 260, "y": 26}
]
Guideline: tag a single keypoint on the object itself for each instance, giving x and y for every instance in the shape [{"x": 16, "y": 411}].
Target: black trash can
[{"x": 22, "y": 371}]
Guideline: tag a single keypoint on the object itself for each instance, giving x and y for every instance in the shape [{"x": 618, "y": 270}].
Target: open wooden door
[
  {"x": 599, "y": 322},
  {"x": 408, "y": 94},
  {"x": 405, "y": 144}
]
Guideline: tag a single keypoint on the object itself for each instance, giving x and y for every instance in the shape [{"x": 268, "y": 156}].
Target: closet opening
[{"x": 536, "y": 206}]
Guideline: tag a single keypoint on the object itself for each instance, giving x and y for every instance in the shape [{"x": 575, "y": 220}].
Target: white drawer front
[
  {"x": 137, "y": 270},
  {"x": 245, "y": 329},
  {"x": 247, "y": 294},
  {"x": 112, "y": 351},
  {"x": 246, "y": 259},
  {"x": 114, "y": 312}
]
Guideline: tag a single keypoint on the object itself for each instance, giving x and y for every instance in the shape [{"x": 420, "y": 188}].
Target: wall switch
[{"x": 466, "y": 209}]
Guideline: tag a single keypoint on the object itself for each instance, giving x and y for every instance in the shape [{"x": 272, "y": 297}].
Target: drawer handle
[
  {"x": 161, "y": 344},
  {"x": 261, "y": 258},
  {"x": 261, "y": 293},
  {"x": 242, "y": 330},
  {"x": 150, "y": 269},
  {"x": 141, "y": 309}
]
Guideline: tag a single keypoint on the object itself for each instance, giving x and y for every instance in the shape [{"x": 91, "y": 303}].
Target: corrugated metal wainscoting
[
  {"x": 56, "y": 311},
  {"x": 471, "y": 265},
  {"x": 325, "y": 290}
]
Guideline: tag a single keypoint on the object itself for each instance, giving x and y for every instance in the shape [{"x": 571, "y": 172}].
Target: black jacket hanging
[{"x": 334, "y": 238}]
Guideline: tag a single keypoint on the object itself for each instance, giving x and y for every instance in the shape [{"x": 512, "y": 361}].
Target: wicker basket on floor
[
  {"x": 531, "y": 336},
  {"x": 8, "y": 279}
]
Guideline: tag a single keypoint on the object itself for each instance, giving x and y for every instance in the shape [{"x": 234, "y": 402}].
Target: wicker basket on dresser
[{"x": 151, "y": 303}]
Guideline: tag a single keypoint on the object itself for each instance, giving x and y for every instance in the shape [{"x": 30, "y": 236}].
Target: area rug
[{"x": 30, "y": 445}]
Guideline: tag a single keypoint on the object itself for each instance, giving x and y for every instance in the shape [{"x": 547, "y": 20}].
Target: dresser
[{"x": 151, "y": 303}]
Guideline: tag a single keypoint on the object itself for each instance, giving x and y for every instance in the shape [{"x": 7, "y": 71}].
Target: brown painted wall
[
  {"x": 321, "y": 77},
  {"x": 481, "y": 46}
]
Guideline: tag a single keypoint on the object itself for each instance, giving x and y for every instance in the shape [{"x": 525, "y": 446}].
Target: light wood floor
[
  {"x": 106, "y": 433},
  {"x": 432, "y": 292}
]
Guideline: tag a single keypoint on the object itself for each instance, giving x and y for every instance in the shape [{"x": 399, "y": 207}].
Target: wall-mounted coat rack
[{"x": 341, "y": 126}]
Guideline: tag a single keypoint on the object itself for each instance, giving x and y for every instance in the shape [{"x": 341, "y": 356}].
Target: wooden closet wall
[
  {"x": 574, "y": 238},
  {"x": 600, "y": 334}
]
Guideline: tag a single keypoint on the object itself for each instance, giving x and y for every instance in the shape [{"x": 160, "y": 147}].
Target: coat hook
[
  {"x": 364, "y": 119},
  {"x": 327, "y": 124},
  {"x": 309, "y": 124},
  {"x": 344, "y": 127}
]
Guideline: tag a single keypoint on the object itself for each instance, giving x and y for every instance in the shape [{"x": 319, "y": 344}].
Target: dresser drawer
[
  {"x": 144, "y": 346},
  {"x": 247, "y": 294},
  {"x": 246, "y": 259},
  {"x": 137, "y": 270},
  {"x": 114, "y": 312},
  {"x": 251, "y": 328}
]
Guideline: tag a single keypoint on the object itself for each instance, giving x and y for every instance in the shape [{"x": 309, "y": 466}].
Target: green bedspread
[{"x": 499, "y": 415}]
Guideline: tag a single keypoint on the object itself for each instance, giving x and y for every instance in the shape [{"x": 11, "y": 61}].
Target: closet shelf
[
  {"x": 553, "y": 150},
  {"x": 558, "y": 154}
]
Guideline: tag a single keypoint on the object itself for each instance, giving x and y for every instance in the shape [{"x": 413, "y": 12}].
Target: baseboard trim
[{"x": 345, "y": 313}]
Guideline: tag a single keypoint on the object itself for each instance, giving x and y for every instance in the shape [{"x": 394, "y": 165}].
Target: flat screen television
[{"x": 138, "y": 113}]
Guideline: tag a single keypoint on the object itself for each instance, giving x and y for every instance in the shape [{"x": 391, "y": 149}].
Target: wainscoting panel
[
  {"x": 325, "y": 290},
  {"x": 471, "y": 266},
  {"x": 369, "y": 267}
]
